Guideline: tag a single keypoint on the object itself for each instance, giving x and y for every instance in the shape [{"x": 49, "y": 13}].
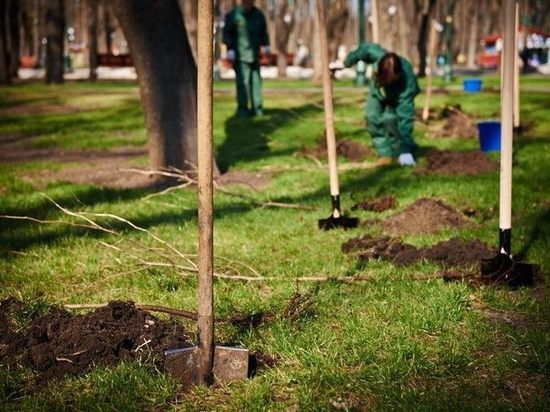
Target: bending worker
[
  {"x": 390, "y": 105},
  {"x": 244, "y": 33}
]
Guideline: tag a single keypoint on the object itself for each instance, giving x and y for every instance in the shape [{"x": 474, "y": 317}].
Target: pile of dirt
[
  {"x": 59, "y": 343},
  {"x": 379, "y": 204},
  {"x": 425, "y": 216},
  {"x": 451, "y": 163},
  {"x": 367, "y": 247},
  {"x": 349, "y": 149},
  {"x": 455, "y": 252},
  {"x": 456, "y": 123}
]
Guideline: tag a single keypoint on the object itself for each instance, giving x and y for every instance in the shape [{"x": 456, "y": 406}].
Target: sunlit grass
[{"x": 390, "y": 343}]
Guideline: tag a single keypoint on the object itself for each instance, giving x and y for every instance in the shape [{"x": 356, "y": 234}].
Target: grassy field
[{"x": 394, "y": 342}]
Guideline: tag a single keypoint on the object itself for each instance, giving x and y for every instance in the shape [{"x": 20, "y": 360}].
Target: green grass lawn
[{"x": 390, "y": 343}]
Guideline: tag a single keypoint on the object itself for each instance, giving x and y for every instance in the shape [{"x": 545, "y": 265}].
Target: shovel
[
  {"x": 503, "y": 268},
  {"x": 205, "y": 363},
  {"x": 336, "y": 219}
]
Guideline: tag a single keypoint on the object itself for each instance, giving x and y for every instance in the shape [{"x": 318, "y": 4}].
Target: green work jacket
[
  {"x": 405, "y": 89},
  {"x": 245, "y": 32}
]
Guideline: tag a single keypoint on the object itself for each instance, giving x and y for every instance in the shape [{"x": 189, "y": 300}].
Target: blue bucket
[
  {"x": 473, "y": 85},
  {"x": 489, "y": 136}
]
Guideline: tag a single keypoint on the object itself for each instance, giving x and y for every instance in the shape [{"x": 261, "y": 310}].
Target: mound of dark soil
[
  {"x": 58, "y": 343},
  {"x": 425, "y": 216},
  {"x": 450, "y": 163},
  {"x": 453, "y": 252},
  {"x": 378, "y": 204},
  {"x": 368, "y": 247},
  {"x": 456, "y": 123},
  {"x": 450, "y": 253},
  {"x": 349, "y": 149}
]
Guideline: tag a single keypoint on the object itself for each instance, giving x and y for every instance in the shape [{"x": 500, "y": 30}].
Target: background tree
[
  {"x": 5, "y": 77},
  {"x": 167, "y": 76},
  {"x": 55, "y": 30},
  {"x": 284, "y": 24},
  {"x": 423, "y": 30},
  {"x": 92, "y": 17}
]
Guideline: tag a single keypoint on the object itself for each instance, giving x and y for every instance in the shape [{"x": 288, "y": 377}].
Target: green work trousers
[
  {"x": 249, "y": 88},
  {"x": 391, "y": 126}
]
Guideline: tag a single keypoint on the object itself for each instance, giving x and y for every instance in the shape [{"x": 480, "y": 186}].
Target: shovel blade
[
  {"x": 230, "y": 364},
  {"x": 503, "y": 269},
  {"x": 336, "y": 222},
  {"x": 183, "y": 364}
]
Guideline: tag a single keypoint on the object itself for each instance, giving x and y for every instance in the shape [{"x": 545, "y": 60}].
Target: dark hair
[{"x": 389, "y": 70}]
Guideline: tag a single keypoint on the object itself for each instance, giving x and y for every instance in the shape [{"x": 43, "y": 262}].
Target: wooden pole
[
  {"x": 431, "y": 56},
  {"x": 327, "y": 98},
  {"x": 507, "y": 116},
  {"x": 516, "y": 71},
  {"x": 374, "y": 18},
  {"x": 205, "y": 188}
]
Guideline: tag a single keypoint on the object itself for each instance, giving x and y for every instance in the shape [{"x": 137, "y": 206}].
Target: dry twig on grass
[{"x": 188, "y": 181}]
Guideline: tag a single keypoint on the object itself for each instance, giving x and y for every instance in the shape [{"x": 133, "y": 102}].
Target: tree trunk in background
[
  {"x": 338, "y": 15},
  {"x": 92, "y": 38},
  {"x": 473, "y": 39},
  {"x": 5, "y": 77},
  {"x": 316, "y": 52},
  {"x": 283, "y": 27},
  {"x": 55, "y": 29},
  {"x": 190, "y": 12},
  {"x": 108, "y": 25},
  {"x": 423, "y": 36},
  {"x": 14, "y": 40},
  {"x": 167, "y": 76}
]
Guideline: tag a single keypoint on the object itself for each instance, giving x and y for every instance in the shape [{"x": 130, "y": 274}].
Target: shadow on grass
[{"x": 248, "y": 139}]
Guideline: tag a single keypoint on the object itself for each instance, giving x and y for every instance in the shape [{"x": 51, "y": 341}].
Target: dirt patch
[
  {"x": 496, "y": 316},
  {"x": 451, "y": 253},
  {"x": 254, "y": 180},
  {"x": 379, "y": 204},
  {"x": 425, "y": 216},
  {"x": 349, "y": 149},
  {"x": 455, "y": 123},
  {"x": 451, "y": 163},
  {"x": 368, "y": 247},
  {"x": 59, "y": 343}
]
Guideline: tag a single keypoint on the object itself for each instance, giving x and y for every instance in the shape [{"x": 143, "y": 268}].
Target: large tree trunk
[
  {"x": 55, "y": 28},
  {"x": 423, "y": 36},
  {"x": 190, "y": 11},
  {"x": 167, "y": 76},
  {"x": 92, "y": 37}
]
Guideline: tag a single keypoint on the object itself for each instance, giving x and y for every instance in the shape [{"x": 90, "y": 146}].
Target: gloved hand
[
  {"x": 406, "y": 159},
  {"x": 230, "y": 55}
]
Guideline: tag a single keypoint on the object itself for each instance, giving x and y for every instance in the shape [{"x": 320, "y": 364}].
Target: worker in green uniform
[
  {"x": 390, "y": 105},
  {"x": 244, "y": 34}
]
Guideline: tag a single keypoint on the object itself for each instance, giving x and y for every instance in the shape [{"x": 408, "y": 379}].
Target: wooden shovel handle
[
  {"x": 507, "y": 115},
  {"x": 327, "y": 98}
]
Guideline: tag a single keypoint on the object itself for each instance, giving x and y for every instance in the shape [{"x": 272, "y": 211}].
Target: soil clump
[
  {"x": 379, "y": 204},
  {"x": 58, "y": 343},
  {"x": 349, "y": 149},
  {"x": 451, "y": 163},
  {"x": 451, "y": 253},
  {"x": 425, "y": 216},
  {"x": 456, "y": 123}
]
